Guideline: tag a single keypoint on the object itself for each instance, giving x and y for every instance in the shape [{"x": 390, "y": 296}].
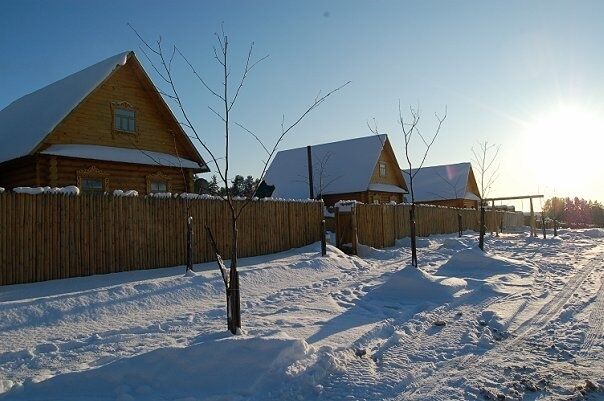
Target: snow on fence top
[
  {"x": 130, "y": 193},
  {"x": 68, "y": 190}
]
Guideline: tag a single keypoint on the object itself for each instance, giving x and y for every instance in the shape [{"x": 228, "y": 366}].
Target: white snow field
[{"x": 523, "y": 321}]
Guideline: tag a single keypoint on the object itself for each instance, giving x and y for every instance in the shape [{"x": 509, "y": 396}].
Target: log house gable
[{"x": 128, "y": 87}]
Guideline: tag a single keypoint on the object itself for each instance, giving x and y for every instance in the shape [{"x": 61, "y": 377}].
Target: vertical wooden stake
[
  {"x": 533, "y": 229},
  {"x": 555, "y": 228},
  {"x": 543, "y": 225},
  {"x": 189, "y": 243},
  {"x": 353, "y": 221},
  {"x": 459, "y": 225},
  {"x": 338, "y": 229},
  {"x": 323, "y": 239}
]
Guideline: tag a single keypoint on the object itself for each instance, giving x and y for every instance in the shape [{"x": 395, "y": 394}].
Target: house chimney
[{"x": 310, "y": 184}]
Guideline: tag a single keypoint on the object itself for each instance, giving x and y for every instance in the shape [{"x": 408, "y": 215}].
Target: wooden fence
[
  {"x": 380, "y": 226},
  {"x": 45, "y": 237}
]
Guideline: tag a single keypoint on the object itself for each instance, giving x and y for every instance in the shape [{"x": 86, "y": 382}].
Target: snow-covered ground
[{"x": 524, "y": 321}]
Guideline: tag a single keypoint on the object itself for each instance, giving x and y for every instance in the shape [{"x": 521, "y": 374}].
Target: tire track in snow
[
  {"x": 596, "y": 324},
  {"x": 465, "y": 363},
  {"x": 552, "y": 308}
]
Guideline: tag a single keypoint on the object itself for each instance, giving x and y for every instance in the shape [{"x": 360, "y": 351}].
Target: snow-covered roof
[
  {"x": 447, "y": 181},
  {"x": 25, "y": 122},
  {"x": 386, "y": 188},
  {"x": 347, "y": 167},
  {"x": 124, "y": 155}
]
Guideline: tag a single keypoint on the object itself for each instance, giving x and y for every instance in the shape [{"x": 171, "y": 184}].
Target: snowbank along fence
[
  {"x": 45, "y": 237},
  {"x": 380, "y": 226}
]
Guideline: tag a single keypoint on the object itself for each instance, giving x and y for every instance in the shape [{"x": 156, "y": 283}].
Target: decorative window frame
[
  {"x": 126, "y": 106},
  {"x": 158, "y": 176},
  {"x": 93, "y": 173},
  {"x": 383, "y": 165}
]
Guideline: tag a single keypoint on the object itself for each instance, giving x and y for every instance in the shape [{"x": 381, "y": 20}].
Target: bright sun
[{"x": 564, "y": 147}]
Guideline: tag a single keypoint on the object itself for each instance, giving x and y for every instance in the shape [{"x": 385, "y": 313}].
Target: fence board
[
  {"x": 47, "y": 236},
  {"x": 380, "y": 226}
]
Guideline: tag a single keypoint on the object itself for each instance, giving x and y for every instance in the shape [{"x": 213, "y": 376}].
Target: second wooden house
[
  {"x": 452, "y": 185},
  {"x": 363, "y": 169}
]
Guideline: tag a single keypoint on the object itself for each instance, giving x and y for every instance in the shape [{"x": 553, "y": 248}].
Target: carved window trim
[
  {"x": 383, "y": 169},
  {"x": 158, "y": 177},
  {"x": 93, "y": 173},
  {"x": 126, "y": 106}
]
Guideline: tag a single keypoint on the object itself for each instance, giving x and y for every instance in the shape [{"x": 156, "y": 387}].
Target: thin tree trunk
[
  {"x": 482, "y": 227},
  {"x": 413, "y": 236},
  {"x": 234, "y": 294}
]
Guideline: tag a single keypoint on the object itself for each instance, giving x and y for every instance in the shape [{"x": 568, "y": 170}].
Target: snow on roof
[
  {"x": 448, "y": 181},
  {"x": 348, "y": 167},
  {"x": 124, "y": 155},
  {"x": 25, "y": 122},
  {"x": 386, "y": 188}
]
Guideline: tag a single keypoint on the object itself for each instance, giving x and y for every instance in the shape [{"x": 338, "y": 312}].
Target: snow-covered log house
[
  {"x": 363, "y": 169},
  {"x": 452, "y": 185},
  {"x": 103, "y": 128}
]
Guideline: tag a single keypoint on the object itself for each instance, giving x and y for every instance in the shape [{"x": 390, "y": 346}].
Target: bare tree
[
  {"x": 410, "y": 129},
  {"x": 484, "y": 158},
  {"x": 227, "y": 98}
]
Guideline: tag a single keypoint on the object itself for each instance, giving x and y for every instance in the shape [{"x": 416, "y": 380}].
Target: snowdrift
[
  {"x": 412, "y": 286},
  {"x": 593, "y": 233},
  {"x": 227, "y": 369},
  {"x": 473, "y": 263}
]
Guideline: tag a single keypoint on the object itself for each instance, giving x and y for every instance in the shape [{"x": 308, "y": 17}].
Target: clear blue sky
[{"x": 502, "y": 68}]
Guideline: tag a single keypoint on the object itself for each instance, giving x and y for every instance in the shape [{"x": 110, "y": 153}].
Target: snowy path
[{"x": 525, "y": 324}]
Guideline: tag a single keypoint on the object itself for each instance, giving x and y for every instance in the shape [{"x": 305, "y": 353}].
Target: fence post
[
  {"x": 338, "y": 229},
  {"x": 190, "y": 243},
  {"x": 323, "y": 240},
  {"x": 459, "y": 225},
  {"x": 543, "y": 224},
  {"x": 353, "y": 221}
]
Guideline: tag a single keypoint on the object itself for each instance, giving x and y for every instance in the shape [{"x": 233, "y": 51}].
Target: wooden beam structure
[
  {"x": 512, "y": 198},
  {"x": 530, "y": 197}
]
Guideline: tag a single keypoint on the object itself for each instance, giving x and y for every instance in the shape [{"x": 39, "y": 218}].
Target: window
[
  {"x": 158, "y": 186},
  {"x": 382, "y": 169},
  {"x": 92, "y": 180},
  {"x": 124, "y": 120},
  {"x": 157, "y": 183},
  {"x": 92, "y": 185}
]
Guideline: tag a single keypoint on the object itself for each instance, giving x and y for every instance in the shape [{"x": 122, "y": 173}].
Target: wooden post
[
  {"x": 459, "y": 225},
  {"x": 533, "y": 229},
  {"x": 190, "y": 243},
  {"x": 555, "y": 228},
  {"x": 353, "y": 223},
  {"x": 338, "y": 229},
  {"x": 543, "y": 224},
  {"x": 323, "y": 240}
]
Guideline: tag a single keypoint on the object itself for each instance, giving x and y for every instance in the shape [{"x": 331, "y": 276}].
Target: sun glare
[{"x": 564, "y": 147}]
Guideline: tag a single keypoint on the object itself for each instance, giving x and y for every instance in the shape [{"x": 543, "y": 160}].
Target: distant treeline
[
  {"x": 240, "y": 187},
  {"x": 575, "y": 212}
]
